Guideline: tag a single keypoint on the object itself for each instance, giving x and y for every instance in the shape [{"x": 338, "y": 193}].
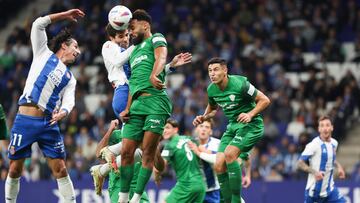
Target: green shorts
[
  {"x": 151, "y": 105},
  {"x": 134, "y": 128},
  {"x": 184, "y": 193},
  {"x": 242, "y": 135}
]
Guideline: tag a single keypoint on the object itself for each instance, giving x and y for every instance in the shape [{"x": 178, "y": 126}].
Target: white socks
[
  {"x": 116, "y": 148},
  {"x": 123, "y": 197},
  {"x": 105, "y": 170},
  {"x": 12, "y": 188},
  {"x": 135, "y": 198},
  {"x": 66, "y": 189}
]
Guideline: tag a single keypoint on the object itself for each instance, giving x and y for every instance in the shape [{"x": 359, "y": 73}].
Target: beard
[{"x": 137, "y": 40}]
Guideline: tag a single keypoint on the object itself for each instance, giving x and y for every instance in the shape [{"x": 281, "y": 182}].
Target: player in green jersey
[
  {"x": 148, "y": 104},
  {"x": 3, "y": 128},
  {"x": 241, "y": 103},
  {"x": 190, "y": 186},
  {"x": 99, "y": 172}
]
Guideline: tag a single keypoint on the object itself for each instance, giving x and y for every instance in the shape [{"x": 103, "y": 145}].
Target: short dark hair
[
  {"x": 324, "y": 117},
  {"x": 219, "y": 60},
  {"x": 211, "y": 121},
  {"x": 141, "y": 15},
  {"x": 63, "y": 36},
  {"x": 172, "y": 122},
  {"x": 111, "y": 32}
]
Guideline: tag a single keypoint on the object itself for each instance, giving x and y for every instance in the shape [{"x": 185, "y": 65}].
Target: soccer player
[
  {"x": 116, "y": 53},
  {"x": 99, "y": 172},
  {"x": 207, "y": 152},
  {"x": 241, "y": 103},
  {"x": 321, "y": 155},
  {"x": 190, "y": 186},
  {"x": 148, "y": 105},
  {"x": 3, "y": 126},
  {"x": 49, "y": 95}
]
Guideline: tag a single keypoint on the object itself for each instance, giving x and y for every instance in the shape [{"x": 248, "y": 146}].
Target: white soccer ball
[{"x": 119, "y": 17}]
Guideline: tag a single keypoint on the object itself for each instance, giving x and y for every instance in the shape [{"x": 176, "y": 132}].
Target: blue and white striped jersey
[
  {"x": 49, "y": 84},
  {"x": 321, "y": 156},
  {"x": 116, "y": 62},
  {"x": 209, "y": 174}
]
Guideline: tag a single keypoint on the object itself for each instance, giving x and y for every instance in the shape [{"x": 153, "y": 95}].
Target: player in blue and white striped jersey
[
  {"x": 49, "y": 95},
  {"x": 321, "y": 155}
]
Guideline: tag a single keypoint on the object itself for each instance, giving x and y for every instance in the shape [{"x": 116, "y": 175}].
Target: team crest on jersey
[
  {"x": 232, "y": 97},
  {"x": 12, "y": 150}
]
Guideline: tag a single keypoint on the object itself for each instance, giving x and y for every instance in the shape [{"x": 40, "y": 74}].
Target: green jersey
[
  {"x": 237, "y": 97},
  {"x": 142, "y": 60},
  {"x": 182, "y": 159},
  {"x": 3, "y": 127}
]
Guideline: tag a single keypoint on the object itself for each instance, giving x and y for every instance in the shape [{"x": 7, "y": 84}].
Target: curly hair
[
  {"x": 61, "y": 37},
  {"x": 141, "y": 15}
]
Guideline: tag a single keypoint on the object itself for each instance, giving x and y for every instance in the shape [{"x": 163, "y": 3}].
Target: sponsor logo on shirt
[
  {"x": 138, "y": 60},
  {"x": 55, "y": 76}
]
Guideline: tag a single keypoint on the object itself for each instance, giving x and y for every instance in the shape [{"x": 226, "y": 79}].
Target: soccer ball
[{"x": 119, "y": 17}]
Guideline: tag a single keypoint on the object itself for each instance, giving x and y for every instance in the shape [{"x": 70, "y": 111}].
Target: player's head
[
  {"x": 171, "y": 128},
  {"x": 217, "y": 70},
  {"x": 65, "y": 46},
  {"x": 204, "y": 130},
  {"x": 140, "y": 25},
  {"x": 325, "y": 127},
  {"x": 120, "y": 37}
]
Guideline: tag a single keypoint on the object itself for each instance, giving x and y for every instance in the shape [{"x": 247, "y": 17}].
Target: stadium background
[{"x": 303, "y": 54}]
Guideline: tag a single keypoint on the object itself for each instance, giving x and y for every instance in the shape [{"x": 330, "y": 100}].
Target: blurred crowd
[{"x": 261, "y": 39}]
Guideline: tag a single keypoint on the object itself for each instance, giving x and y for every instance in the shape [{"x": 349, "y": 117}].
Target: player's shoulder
[
  {"x": 334, "y": 142},
  {"x": 214, "y": 140},
  {"x": 238, "y": 78},
  {"x": 211, "y": 87},
  {"x": 158, "y": 37},
  {"x": 109, "y": 45}
]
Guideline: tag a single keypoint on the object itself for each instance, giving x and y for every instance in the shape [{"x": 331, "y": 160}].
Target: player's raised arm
[
  {"x": 160, "y": 54},
  {"x": 210, "y": 112},
  {"x": 38, "y": 35},
  {"x": 178, "y": 60}
]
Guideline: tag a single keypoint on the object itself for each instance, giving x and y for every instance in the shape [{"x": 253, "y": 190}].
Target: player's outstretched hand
[
  {"x": 181, "y": 59},
  {"x": 124, "y": 116},
  {"x": 319, "y": 175},
  {"x": 198, "y": 120},
  {"x": 157, "y": 177},
  {"x": 244, "y": 118},
  {"x": 156, "y": 82},
  {"x": 73, "y": 14}
]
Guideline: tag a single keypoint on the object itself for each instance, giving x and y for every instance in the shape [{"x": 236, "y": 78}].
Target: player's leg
[
  {"x": 154, "y": 126},
  {"x": 65, "y": 185},
  {"x": 234, "y": 171},
  {"x": 52, "y": 145},
  {"x": 12, "y": 185},
  {"x": 23, "y": 134},
  {"x": 120, "y": 99},
  {"x": 220, "y": 167}
]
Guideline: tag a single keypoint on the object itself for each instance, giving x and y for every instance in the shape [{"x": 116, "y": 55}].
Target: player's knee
[
  {"x": 59, "y": 172},
  {"x": 219, "y": 168},
  {"x": 230, "y": 157},
  {"x": 15, "y": 170},
  {"x": 148, "y": 158}
]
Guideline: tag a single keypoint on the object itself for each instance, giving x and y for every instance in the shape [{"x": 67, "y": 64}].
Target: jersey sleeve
[
  {"x": 249, "y": 90},
  {"x": 38, "y": 35},
  {"x": 158, "y": 40},
  {"x": 113, "y": 55},
  {"x": 308, "y": 152},
  {"x": 68, "y": 100},
  {"x": 167, "y": 153}
]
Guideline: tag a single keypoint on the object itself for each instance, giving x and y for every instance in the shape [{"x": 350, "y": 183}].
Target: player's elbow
[{"x": 266, "y": 101}]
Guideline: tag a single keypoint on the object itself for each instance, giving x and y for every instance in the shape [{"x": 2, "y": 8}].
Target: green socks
[
  {"x": 126, "y": 174},
  {"x": 143, "y": 179},
  {"x": 234, "y": 171},
  {"x": 225, "y": 190}
]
